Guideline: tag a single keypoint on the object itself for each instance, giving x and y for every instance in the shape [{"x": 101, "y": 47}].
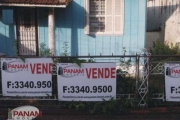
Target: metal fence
[
  {"x": 145, "y": 72},
  {"x": 156, "y": 74}
]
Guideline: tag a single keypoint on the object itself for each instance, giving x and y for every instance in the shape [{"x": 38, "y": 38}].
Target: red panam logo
[
  {"x": 34, "y": 68},
  {"x": 173, "y": 72},
  {"x": 17, "y": 66},
  {"x": 91, "y": 73},
  {"x": 76, "y": 71},
  {"x": 24, "y": 113}
]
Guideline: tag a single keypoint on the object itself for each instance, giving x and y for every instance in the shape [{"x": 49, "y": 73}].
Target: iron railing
[{"x": 146, "y": 71}]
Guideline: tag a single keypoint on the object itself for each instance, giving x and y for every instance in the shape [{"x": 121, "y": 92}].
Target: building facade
[{"x": 87, "y": 26}]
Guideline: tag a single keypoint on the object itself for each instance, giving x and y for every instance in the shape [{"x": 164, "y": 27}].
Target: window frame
[{"x": 113, "y": 32}]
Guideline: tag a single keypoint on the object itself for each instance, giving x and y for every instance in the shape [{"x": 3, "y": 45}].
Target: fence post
[
  {"x": 143, "y": 78},
  {"x": 137, "y": 75}
]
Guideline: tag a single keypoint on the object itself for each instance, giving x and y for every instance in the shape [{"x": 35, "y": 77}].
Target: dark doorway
[{"x": 27, "y": 35}]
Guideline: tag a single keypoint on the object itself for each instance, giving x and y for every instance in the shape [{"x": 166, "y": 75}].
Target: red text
[
  {"x": 95, "y": 73},
  {"x": 18, "y": 66},
  {"x": 41, "y": 68},
  {"x": 175, "y": 71},
  {"x": 27, "y": 113},
  {"x": 78, "y": 71}
]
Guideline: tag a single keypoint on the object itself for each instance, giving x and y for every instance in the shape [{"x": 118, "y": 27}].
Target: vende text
[
  {"x": 41, "y": 68},
  {"x": 96, "y": 73}
]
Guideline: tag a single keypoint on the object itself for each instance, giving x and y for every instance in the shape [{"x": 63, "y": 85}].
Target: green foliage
[
  {"x": 75, "y": 105},
  {"x": 15, "y": 44},
  {"x": 103, "y": 107},
  {"x": 67, "y": 59},
  {"x": 15, "y": 48},
  {"x": 65, "y": 49},
  {"x": 125, "y": 82},
  {"x": 124, "y": 50},
  {"x": 156, "y": 85},
  {"x": 164, "y": 49},
  {"x": 156, "y": 82},
  {"x": 125, "y": 85},
  {"x": 44, "y": 51},
  {"x": 131, "y": 103}
]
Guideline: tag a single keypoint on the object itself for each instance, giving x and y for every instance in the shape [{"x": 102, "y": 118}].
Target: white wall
[{"x": 164, "y": 14}]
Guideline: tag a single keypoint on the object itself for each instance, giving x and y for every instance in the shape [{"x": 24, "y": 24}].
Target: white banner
[
  {"x": 172, "y": 81},
  {"x": 31, "y": 77},
  {"x": 90, "y": 82}
]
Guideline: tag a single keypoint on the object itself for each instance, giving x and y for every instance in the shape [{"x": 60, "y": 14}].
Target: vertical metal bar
[
  {"x": 17, "y": 32},
  {"x": 0, "y": 78},
  {"x": 36, "y": 32},
  {"x": 147, "y": 79},
  {"x": 144, "y": 86},
  {"x": 148, "y": 72},
  {"x": 137, "y": 75}
]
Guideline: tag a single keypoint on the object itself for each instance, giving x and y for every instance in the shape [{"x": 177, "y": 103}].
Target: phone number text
[
  {"x": 87, "y": 89},
  {"x": 29, "y": 84}
]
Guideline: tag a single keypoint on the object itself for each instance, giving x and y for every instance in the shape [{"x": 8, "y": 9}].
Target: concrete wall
[
  {"x": 164, "y": 14},
  {"x": 151, "y": 37}
]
